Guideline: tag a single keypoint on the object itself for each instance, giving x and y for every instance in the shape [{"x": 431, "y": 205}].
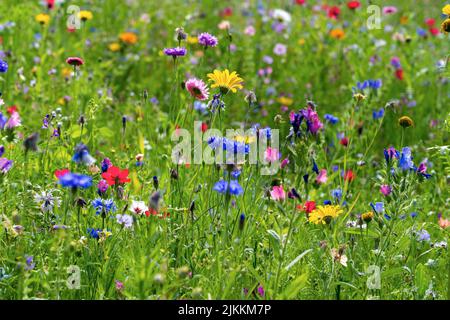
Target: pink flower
[
  {"x": 13, "y": 121},
  {"x": 385, "y": 190},
  {"x": 250, "y": 31},
  {"x": 444, "y": 223},
  {"x": 277, "y": 193},
  {"x": 271, "y": 154},
  {"x": 389, "y": 10},
  {"x": 322, "y": 177},
  {"x": 284, "y": 163},
  {"x": 197, "y": 88}
]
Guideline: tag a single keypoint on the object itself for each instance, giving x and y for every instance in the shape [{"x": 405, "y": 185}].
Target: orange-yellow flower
[
  {"x": 43, "y": 18},
  {"x": 225, "y": 80},
  {"x": 446, "y": 9},
  {"x": 337, "y": 33},
  {"x": 128, "y": 37}
]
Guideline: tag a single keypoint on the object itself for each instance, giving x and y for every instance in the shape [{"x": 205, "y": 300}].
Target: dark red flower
[
  {"x": 399, "y": 74},
  {"x": 344, "y": 141},
  {"x": 60, "y": 173},
  {"x": 115, "y": 175},
  {"x": 50, "y": 4},
  {"x": 75, "y": 61},
  {"x": 300, "y": 2},
  {"x": 353, "y": 5}
]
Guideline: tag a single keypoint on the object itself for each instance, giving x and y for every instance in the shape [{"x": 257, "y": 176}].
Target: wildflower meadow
[{"x": 225, "y": 150}]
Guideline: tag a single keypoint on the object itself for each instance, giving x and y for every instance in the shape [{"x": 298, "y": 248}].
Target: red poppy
[
  {"x": 204, "y": 127},
  {"x": 434, "y": 31},
  {"x": 430, "y": 22},
  {"x": 309, "y": 206},
  {"x": 349, "y": 176},
  {"x": 353, "y": 5},
  {"x": 60, "y": 173},
  {"x": 300, "y": 2},
  {"x": 334, "y": 12},
  {"x": 12, "y": 109},
  {"x": 115, "y": 175},
  {"x": 50, "y": 4},
  {"x": 399, "y": 74}
]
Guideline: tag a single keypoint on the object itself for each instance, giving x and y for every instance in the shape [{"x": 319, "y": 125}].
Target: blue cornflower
[
  {"x": 378, "y": 114},
  {"x": 215, "y": 142},
  {"x": 405, "y": 162},
  {"x": 236, "y": 173},
  {"x": 94, "y": 233},
  {"x": 378, "y": 207},
  {"x": 221, "y": 186},
  {"x": 337, "y": 194},
  {"x": 3, "y": 66},
  {"x": 82, "y": 155},
  {"x": 315, "y": 168},
  {"x": 413, "y": 214},
  {"x": 3, "y": 120},
  {"x": 331, "y": 119},
  {"x": 235, "y": 188},
  {"x": 75, "y": 180},
  {"x": 327, "y": 202},
  {"x": 104, "y": 206}
]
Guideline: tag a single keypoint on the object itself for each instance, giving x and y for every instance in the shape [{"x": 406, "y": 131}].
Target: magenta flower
[
  {"x": 385, "y": 190},
  {"x": 75, "y": 61},
  {"x": 322, "y": 177},
  {"x": 277, "y": 193},
  {"x": 389, "y": 10},
  {"x": 284, "y": 163},
  {"x": 197, "y": 88},
  {"x": 271, "y": 154}
]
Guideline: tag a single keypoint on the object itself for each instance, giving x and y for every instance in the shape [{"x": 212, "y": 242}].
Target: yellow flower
[
  {"x": 324, "y": 214},
  {"x": 368, "y": 216},
  {"x": 43, "y": 18},
  {"x": 66, "y": 72},
  {"x": 225, "y": 80},
  {"x": 128, "y": 37},
  {"x": 445, "y": 26},
  {"x": 244, "y": 139},
  {"x": 446, "y": 9},
  {"x": 404, "y": 20},
  {"x": 337, "y": 33},
  {"x": 192, "y": 40},
  {"x": 285, "y": 101},
  {"x": 301, "y": 41},
  {"x": 405, "y": 122},
  {"x": 359, "y": 96},
  {"x": 115, "y": 46},
  {"x": 85, "y": 15}
]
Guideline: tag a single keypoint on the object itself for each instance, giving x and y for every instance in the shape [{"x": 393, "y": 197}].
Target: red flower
[
  {"x": 344, "y": 141},
  {"x": 434, "y": 31},
  {"x": 12, "y": 109},
  {"x": 430, "y": 22},
  {"x": 204, "y": 127},
  {"x": 334, "y": 12},
  {"x": 227, "y": 12},
  {"x": 309, "y": 206},
  {"x": 353, "y": 5},
  {"x": 349, "y": 176},
  {"x": 60, "y": 173},
  {"x": 50, "y": 4},
  {"x": 300, "y": 2},
  {"x": 116, "y": 176},
  {"x": 399, "y": 74}
]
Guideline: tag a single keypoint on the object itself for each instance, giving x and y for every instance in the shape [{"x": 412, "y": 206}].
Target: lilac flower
[
  {"x": 13, "y": 121},
  {"x": 395, "y": 62},
  {"x": 207, "y": 40},
  {"x": 125, "y": 220},
  {"x": 5, "y": 165},
  {"x": 102, "y": 186},
  {"x": 280, "y": 49},
  {"x": 423, "y": 235},
  {"x": 378, "y": 207},
  {"x": 29, "y": 263},
  {"x": 3, "y": 120}
]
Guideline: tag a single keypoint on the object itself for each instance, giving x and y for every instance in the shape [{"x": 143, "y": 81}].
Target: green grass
[{"x": 205, "y": 252}]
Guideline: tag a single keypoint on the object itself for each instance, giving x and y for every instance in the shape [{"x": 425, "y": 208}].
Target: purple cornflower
[
  {"x": 423, "y": 235},
  {"x": 5, "y": 165},
  {"x": 30, "y": 264},
  {"x": 102, "y": 186},
  {"x": 395, "y": 62},
  {"x": 175, "y": 52},
  {"x": 207, "y": 40},
  {"x": 261, "y": 291},
  {"x": 2, "y": 150},
  {"x": 106, "y": 163}
]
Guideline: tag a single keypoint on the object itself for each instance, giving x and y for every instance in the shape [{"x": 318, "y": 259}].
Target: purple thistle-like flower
[
  {"x": 207, "y": 40},
  {"x": 175, "y": 52}
]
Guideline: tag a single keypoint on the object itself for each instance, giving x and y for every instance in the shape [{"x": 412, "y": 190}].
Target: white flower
[
  {"x": 138, "y": 207},
  {"x": 47, "y": 200},
  {"x": 282, "y": 15}
]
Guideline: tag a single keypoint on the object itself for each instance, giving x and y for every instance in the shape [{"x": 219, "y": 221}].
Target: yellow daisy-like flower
[
  {"x": 446, "y": 9},
  {"x": 324, "y": 214},
  {"x": 368, "y": 216},
  {"x": 85, "y": 15},
  {"x": 114, "y": 46},
  {"x": 245, "y": 139},
  {"x": 445, "y": 26},
  {"x": 192, "y": 40},
  {"x": 285, "y": 101},
  {"x": 225, "y": 80},
  {"x": 43, "y": 18},
  {"x": 128, "y": 37}
]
